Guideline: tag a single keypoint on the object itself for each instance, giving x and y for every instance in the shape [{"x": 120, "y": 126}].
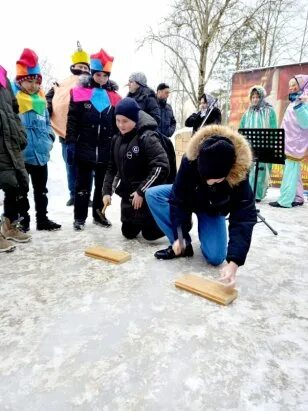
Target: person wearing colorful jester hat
[
  {"x": 35, "y": 119},
  {"x": 90, "y": 127},
  {"x": 58, "y": 99},
  {"x": 296, "y": 144},
  {"x": 13, "y": 175}
]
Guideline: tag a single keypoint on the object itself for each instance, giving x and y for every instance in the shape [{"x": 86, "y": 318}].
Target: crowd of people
[{"x": 122, "y": 145}]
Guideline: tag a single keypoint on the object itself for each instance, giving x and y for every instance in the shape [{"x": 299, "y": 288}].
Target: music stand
[{"x": 268, "y": 147}]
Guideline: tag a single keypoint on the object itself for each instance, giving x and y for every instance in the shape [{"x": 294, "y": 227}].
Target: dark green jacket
[{"x": 13, "y": 174}]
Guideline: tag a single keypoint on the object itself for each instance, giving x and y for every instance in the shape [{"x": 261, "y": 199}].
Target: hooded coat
[
  {"x": 233, "y": 196},
  {"x": 296, "y": 137},
  {"x": 13, "y": 174},
  {"x": 140, "y": 162}
]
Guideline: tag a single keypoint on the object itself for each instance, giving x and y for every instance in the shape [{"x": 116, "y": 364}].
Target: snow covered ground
[{"x": 82, "y": 334}]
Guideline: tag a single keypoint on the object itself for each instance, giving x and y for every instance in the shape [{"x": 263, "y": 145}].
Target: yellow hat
[{"x": 80, "y": 56}]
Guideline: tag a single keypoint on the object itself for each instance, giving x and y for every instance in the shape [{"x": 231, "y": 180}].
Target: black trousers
[
  {"x": 149, "y": 231},
  {"x": 83, "y": 189},
  {"x": 16, "y": 203},
  {"x": 38, "y": 175}
]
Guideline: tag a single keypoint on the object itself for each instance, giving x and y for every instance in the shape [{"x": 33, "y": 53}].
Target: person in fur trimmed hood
[{"x": 212, "y": 182}]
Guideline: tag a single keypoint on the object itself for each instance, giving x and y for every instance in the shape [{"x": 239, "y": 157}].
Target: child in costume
[
  {"x": 90, "y": 127},
  {"x": 58, "y": 100},
  {"x": 40, "y": 137}
]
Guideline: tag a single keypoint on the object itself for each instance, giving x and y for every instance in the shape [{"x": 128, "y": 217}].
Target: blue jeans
[
  {"x": 70, "y": 172},
  {"x": 211, "y": 229}
]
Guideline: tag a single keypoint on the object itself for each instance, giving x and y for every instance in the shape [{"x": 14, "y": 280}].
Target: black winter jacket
[
  {"x": 13, "y": 174},
  {"x": 140, "y": 162},
  {"x": 233, "y": 196},
  {"x": 195, "y": 120},
  {"x": 91, "y": 130},
  {"x": 146, "y": 99},
  {"x": 167, "y": 121}
]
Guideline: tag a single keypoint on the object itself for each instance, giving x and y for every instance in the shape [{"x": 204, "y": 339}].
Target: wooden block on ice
[
  {"x": 210, "y": 289},
  {"x": 107, "y": 254}
]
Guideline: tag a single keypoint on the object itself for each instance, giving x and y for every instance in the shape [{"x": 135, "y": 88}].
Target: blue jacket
[{"x": 40, "y": 137}]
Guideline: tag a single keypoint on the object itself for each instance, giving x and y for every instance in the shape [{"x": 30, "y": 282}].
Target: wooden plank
[
  {"x": 208, "y": 288},
  {"x": 107, "y": 254}
]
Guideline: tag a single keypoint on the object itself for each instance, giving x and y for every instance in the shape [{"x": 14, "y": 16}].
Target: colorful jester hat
[
  {"x": 27, "y": 67},
  {"x": 101, "y": 61},
  {"x": 80, "y": 56}
]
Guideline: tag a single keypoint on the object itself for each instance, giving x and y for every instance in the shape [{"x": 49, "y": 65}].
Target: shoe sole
[
  {"x": 8, "y": 249},
  {"x": 102, "y": 225},
  {"x": 48, "y": 229},
  {"x": 18, "y": 240}
]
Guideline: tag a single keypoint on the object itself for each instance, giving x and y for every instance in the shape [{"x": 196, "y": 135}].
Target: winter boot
[
  {"x": 79, "y": 225},
  {"x": 12, "y": 231},
  {"x": 25, "y": 223},
  {"x": 47, "y": 225},
  {"x": 5, "y": 245}
]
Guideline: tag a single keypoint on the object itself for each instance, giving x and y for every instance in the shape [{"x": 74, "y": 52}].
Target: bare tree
[
  {"x": 196, "y": 35},
  {"x": 304, "y": 45}
]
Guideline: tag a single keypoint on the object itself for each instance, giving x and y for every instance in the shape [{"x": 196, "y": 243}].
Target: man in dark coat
[
  {"x": 14, "y": 180},
  {"x": 167, "y": 121},
  {"x": 140, "y": 162},
  {"x": 212, "y": 182}
]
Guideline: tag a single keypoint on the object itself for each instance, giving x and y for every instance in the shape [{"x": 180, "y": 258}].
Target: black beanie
[
  {"x": 129, "y": 108},
  {"x": 216, "y": 157}
]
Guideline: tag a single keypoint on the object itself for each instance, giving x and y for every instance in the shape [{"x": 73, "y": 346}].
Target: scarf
[{"x": 27, "y": 102}]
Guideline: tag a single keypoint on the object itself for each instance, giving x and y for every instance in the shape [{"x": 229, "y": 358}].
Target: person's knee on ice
[
  {"x": 152, "y": 232},
  {"x": 213, "y": 258},
  {"x": 130, "y": 230}
]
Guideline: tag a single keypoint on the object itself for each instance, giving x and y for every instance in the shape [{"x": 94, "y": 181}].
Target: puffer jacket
[
  {"x": 13, "y": 174},
  {"x": 140, "y": 162},
  {"x": 92, "y": 130},
  {"x": 233, "y": 196}
]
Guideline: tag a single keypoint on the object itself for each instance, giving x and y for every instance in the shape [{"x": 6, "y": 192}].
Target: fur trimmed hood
[{"x": 243, "y": 152}]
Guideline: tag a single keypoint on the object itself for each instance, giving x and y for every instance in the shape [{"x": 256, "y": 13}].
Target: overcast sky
[{"x": 114, "y": 25}]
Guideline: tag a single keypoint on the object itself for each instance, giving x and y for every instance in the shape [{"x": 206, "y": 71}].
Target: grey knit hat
[{"x": 139, "y": 78}]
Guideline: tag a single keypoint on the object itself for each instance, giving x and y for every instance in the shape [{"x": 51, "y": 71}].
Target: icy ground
[{"x": 82, "y": 334}]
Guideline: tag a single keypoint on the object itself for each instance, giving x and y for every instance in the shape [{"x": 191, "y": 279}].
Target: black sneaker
[
  {"x": 276, "y": 204},
  {"x": 79, "y": 225},
  {"x": 47, "y": 225},
  {"x": 168, "y": 253},
  {"x": 70, "y": 202},
  {"x": 297, "y": 203},
  {"x": 103, "y": 222}
]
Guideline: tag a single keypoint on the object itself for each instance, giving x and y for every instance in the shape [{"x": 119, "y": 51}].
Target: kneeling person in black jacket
[
  {"x": 139, "y": 160},
  {"x": 212, "y": 182}
]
